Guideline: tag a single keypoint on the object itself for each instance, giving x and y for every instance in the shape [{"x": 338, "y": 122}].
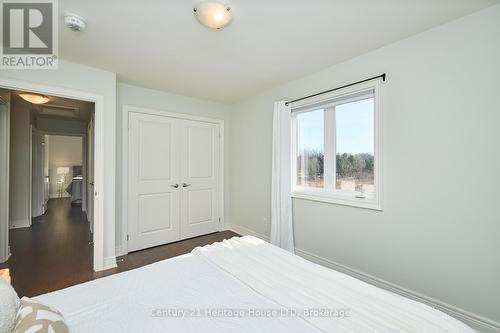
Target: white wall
[
  {"x": 439, "y": 233},
  {"x": 19, "y": 186},
  {"x": 153, "y": 99},
  {"x": 64, "y": 151},
  {"x": 88, "y": 79}
]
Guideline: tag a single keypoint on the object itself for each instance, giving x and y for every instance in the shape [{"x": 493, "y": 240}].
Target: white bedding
[{"x": 247, "y": 277}]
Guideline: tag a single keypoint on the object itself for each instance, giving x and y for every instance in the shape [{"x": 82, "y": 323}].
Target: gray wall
[
  {"x": 19, "y": 186},
  {"x": 439, "y": 231},
  {"x": 54, "y": 125},
  {"x": 153, "y": 99}
]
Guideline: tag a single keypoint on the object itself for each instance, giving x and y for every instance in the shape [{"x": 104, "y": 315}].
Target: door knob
[
  {"x": 185, "y": 185},
  {"x": 175, "y": 185}
]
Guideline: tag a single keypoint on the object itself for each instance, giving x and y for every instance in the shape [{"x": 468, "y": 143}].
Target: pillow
[
  {"x": 9, "y": 304},
  {"x": 34, "y": 316}
]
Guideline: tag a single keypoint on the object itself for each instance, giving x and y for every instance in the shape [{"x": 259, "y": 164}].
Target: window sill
[{"x": 344, "y": 201}]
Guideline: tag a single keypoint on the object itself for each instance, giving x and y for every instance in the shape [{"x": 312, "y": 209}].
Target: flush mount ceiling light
[
  {"x": 34, "y": 98},
  {"x": 213, "y": 14}
]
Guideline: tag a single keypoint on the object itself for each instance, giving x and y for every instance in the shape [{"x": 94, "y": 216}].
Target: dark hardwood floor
[{"x": 56, "y": 251}]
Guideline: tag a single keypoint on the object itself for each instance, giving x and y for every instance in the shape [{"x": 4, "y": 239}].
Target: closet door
[
  {"x": 154, "y": 193},
  {"x": 199, "y": 167}
]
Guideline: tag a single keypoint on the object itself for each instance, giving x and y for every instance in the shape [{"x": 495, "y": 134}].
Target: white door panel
[
  {"x": 154, "y": 219},
  {"x": 45, "y": 156},
  {"x": 165, "y": 152},
  {"x": 153, "y": 169},
  {"x": 199, "y": 214},
  {"x": 90, "y": 177},
  {"x": 199, "y": 178},
  {"x": 200, "y": 149},
  {"x": 4, "y": 175},
  {"x": 155, "y": 153},
  {"x": 200, "y": 205}
]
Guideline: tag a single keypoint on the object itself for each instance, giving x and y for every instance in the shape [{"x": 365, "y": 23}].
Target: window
[
  {"x": 310, "y": 148},
  {"x": 335, "y": 147}
]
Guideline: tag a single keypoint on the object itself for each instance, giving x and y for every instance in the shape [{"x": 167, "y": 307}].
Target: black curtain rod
[{"x": 347, "y": 85}]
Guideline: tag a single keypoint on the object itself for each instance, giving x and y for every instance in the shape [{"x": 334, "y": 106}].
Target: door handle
[
  {"x": 185, "y": 185},
  {"x": 175, "y": 185}
]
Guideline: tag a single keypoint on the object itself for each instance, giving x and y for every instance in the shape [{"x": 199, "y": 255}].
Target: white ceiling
[{"x": 158, "y": 44}]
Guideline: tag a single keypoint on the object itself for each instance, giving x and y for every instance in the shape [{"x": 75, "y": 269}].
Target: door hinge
[
  {"x": 128, "y": 237},
  {"x": 219, "y": 219}
]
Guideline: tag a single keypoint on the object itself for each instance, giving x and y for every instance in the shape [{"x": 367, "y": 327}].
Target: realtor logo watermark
[{"x": 29, "y": 34}]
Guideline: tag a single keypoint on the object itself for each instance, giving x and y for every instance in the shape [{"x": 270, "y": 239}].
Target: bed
[
  {"x": 241, "y": 285},
  {"x": 74, "y": 188}
]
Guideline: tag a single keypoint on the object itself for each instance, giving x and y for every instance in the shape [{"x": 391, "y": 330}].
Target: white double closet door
[{"x": 173, "y": 179}]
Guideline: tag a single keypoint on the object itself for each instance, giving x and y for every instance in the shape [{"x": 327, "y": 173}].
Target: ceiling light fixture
[
  {"x": 34, "y": 98},
  {"x": 213, "y": 14}
]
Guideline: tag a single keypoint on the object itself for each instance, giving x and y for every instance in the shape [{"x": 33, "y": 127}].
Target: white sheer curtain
[{"x": 281, "y": 201}]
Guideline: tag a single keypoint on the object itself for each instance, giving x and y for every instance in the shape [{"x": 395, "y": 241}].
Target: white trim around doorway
[{"x": 98, "y": 100}]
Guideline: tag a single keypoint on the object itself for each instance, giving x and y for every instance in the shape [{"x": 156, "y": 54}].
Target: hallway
[{"x": 54, "y": 253}]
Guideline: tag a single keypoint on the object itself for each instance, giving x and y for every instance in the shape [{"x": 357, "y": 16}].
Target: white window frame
[{"x": 329, "y": 193}]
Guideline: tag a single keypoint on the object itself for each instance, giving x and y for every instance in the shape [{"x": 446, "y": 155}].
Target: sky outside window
[{"x": 354, "y": 128}]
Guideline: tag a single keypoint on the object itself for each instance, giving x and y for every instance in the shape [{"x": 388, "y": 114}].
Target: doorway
[
  {"x": 99, "y": 192},
  {"x": 30, "y": 185}
]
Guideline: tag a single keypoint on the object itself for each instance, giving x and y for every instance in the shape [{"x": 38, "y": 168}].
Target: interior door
[
  {"x": 199, "y": 178},
  {"x": 4, "y": 173},
  {"x": 90, "y": 174},
  {"x": 45, "y": 172},
  {"x": 154, "y": 192},
  {"x": 37, "y": 189}
]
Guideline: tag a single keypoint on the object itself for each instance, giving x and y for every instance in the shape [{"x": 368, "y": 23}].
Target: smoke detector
[{"x": 74, "y": 22}]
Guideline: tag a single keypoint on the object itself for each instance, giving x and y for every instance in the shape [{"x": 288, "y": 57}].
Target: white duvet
[{"x": 241, "y": 285}]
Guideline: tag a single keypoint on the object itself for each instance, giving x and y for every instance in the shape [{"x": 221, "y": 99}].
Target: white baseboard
[
  {"x": 16, "y": 224},
  {"x": 245, "y": 231},
  {"x": 109, "y": 262},
  {"x": 477, "y": 322},
  {"x": 118, "y": 250}
]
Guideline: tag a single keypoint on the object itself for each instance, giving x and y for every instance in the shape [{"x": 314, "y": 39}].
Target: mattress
[
  {"x": 241, "y": 285},
  {"x": 75, "y": 190}
]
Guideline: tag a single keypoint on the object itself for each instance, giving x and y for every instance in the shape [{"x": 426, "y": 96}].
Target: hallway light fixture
[
  {"x": 213, "y": 14},
  {"x": 34, "y": 98}
]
